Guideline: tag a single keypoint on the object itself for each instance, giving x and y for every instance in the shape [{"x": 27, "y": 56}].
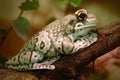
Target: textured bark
[
  {"x": 69, "y": 66},
  {"x": 6, "y": 74}
]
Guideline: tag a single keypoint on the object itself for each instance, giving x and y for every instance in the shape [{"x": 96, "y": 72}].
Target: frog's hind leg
[
  {"x": 46, "y": 64},
  {"x": 24, "y": 58},
  {"x": 33, "y": 66}
]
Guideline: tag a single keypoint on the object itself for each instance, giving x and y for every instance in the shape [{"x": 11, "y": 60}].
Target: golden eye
[{"x": 82, "y": 16}]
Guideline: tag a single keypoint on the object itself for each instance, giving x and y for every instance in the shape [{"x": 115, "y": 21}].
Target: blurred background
[{"x": 107, "y": 12}]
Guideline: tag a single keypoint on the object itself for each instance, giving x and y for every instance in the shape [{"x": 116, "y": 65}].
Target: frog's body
[{"x": 63, "y": 36}]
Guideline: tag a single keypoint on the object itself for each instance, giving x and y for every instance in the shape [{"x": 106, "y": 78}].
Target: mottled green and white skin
[{"x": 64, "y": 36}]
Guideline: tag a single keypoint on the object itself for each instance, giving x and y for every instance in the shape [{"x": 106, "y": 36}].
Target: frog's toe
[
  {"x": 43, "y": 66},
  {"x": 34, "y": 66}
]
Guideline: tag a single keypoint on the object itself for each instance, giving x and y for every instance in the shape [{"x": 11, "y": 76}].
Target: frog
[{"x": 64, "y": 36}]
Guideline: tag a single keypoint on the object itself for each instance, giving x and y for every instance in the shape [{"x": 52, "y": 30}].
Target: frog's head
[
  {"x": 80, "y": 23},
  {"x": 86, "y": 22}
]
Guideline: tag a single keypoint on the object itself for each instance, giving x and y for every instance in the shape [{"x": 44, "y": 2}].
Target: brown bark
[{"x": 70, "y": 66}]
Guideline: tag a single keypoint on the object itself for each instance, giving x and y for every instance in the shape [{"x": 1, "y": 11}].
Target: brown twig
[
  {"x": 21, "y": 13},
  {"x": 4, "y": 37}
]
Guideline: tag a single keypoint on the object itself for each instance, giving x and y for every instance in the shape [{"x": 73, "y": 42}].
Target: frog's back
[{"x": 43, "y": 41}]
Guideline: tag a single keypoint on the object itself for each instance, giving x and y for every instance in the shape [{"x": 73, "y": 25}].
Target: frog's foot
[
  {"x": 33, "y": 66},
  {"x": 46, "y": 64},
  {"x": 42, "y": 66}
]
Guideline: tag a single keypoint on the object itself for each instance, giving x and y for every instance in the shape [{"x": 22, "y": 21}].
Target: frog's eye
[{"x": 82, "y": 16}]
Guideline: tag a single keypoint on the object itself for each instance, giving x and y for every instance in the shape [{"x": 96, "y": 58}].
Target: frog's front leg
[
  {"x": 85, "y": 41},
  {"x": 66, "y": 45},
  {"x": 30, "y": 60}
]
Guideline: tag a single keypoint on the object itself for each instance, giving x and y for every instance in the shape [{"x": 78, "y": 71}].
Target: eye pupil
[{"x": 82, "y": 16}]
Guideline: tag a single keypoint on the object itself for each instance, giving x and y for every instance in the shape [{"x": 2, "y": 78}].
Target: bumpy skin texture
[{"x": 63, "y": 36}]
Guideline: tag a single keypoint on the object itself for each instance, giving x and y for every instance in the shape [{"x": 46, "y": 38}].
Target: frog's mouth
[
  {"x": 80, "y": 25},
  {"x": 82, "y": 29}
]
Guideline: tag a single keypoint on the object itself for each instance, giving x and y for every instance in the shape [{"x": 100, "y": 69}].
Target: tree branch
[{"x": 69, "y": 66}]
